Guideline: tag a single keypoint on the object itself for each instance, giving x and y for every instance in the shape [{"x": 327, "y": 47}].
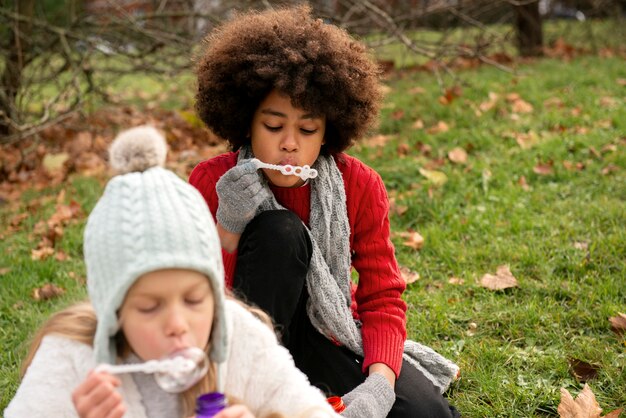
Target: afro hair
[{"x": 319, "y": 66}]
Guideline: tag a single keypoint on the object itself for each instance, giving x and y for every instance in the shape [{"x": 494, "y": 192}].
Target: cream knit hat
[{"x": 148, "y": 219}]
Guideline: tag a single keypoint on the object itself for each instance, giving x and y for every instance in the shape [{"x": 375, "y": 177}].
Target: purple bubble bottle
[{"x": 209, "y": 404}]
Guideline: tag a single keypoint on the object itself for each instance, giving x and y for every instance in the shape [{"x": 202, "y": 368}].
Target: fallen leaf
[
  {"x": 397, "y": 114},
  {"x": 417, "y": 90},
  {"x": 450, "y": 94},
  {"x": 611, "y": 168},
  {"x": 553, "y": 102},
  {"x": 455, "y": 280},
  {"x": 409, "y": 275},
  {"x": 423, "y": 149},
  {"x": 438, "y": 178},
  {"x": 458, "y": 155},
  {"x": 17, "y": 219},
  {"x": 503, "y": 279},
  {"x": 440, "y": 127},
  {"x": 582, "y": 370},
  {"x": 490, "y": 103},
  {"x": 376, "y": 141},
  {"x": 4, "y": 270},
  {"x": 61, "y": 256},
  {"x": 418, "y": 124},
  {"x": 621, "y": 81},
  {"x": 412, "y": 239},
  {"x": 54, "y": 162},
  {"x": 608, "y": 101},
  {"x": 471, "y": 329},
  {"x": 618, "y": 323},
  {"x": 41, "y": 253},
  {"x": 521, "y": 106},
  {"x": 581, "y": 245},
  {"x": 585, "y": 405},
  {"x": 47, "y": 291},
  {"x": 526, "y": 139},
  {"x": 396, "y": 208},
  {"x": 523, "y": 183},
  {"x": 403, "y": 149},
  {"x": 570, "y": 166},
  {"x": 544, "y": 169}
]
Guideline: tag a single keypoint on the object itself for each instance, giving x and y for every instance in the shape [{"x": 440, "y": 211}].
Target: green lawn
[{"x": 561, "y": 233}]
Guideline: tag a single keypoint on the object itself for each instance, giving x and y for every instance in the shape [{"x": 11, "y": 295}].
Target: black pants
[{"x": 272, "y": 263}]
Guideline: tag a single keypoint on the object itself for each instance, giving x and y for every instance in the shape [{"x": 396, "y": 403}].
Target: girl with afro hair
[{"x": 290, "y": 92}]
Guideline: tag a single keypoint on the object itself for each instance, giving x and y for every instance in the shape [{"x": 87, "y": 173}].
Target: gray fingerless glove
[
  {"x": 240, "y": 192},
  {"x": 371, "y": 399}
]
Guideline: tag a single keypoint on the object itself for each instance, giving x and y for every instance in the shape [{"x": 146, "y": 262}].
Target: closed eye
[
  {"x": 273, "y": 128},
  {"x": 308, "y": 131}
]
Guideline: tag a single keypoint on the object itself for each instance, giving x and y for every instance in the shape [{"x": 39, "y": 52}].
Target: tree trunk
[
  {"x": 15, "y": 60},
  {"x": 529, "y": 30}
]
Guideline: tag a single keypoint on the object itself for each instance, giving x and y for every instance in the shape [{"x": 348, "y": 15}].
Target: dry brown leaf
[
  {"x": 571, "y": 166},
  {"x": 553, "y": 102},
  {"x": 418, "y": 124},
  {"x": 440, "y": 127},
  {"x": 4, "y": 270},
  {"x": 41, "y": 253},
  {"x": 396, "y": 208},
  {"x": 503, "y": 279},
  {"x": 521, "y": 106},
  {"x": 458, "y": 155},
  {"x": 621, "y": 81},
  {"x": 544, "y": 169},
  {"x": 489, "y": 104},
  {"x": 581, "y": 245},
  {"x": 611, "y": 168},
  {"x": 455, "y": 280},
  {"x": 397, "y": 114},
  {"x": 47, "y": 291},
  {"x": 523, "y": 183},
  {"x": 412, "y": 239},
  {"x": 618, "y": 323},
  {"x": 417, "y": 90},
  {"x": 376, "y": 141},
  {"x": 585, "y": 405},
  {"x": 409, "y": 275},
  {"x": 608, "y": 101},
  {"x": 403, "y": 149},
  {"x": 583, "y": 371},
  {"x": 61, "y": 256},
  {"x": 526, "y": 139},
  {"x": 450, "y": 94}
]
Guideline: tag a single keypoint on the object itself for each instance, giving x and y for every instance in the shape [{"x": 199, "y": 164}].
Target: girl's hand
[
  {"x": 96, "y": 397},
  {"x": 235, "y": 411}
]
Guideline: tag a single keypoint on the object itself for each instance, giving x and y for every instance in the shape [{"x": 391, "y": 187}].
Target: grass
[
  {"x": 516, "y": 359},
  {"x": 562, "y": 236}
]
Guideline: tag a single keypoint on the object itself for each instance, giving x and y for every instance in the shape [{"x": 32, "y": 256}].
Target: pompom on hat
[{"x": 148, "y": 219}]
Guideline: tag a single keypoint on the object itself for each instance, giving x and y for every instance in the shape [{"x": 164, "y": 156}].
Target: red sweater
[{"x": 377, "y": 300}]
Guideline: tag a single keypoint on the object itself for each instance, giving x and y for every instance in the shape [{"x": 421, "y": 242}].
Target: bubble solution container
[
  {"x": 337, "y": 403},
  {"x": 209, "y": 404}
]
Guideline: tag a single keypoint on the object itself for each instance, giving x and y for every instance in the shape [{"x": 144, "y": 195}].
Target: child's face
[
  {"x": 167, "y": 310},
  {"x": 282, "y": 134}
]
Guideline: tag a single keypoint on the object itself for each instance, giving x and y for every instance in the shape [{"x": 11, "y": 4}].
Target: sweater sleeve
[
  {"x": 263, "y": 375},
  {"x": 204, "y": 178},
  {"x": 379, "y": 292},
  {"x": 58, "y": 366}
]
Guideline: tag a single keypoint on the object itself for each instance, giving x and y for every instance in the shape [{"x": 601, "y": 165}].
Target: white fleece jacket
[{"x": 258, "y": 371}]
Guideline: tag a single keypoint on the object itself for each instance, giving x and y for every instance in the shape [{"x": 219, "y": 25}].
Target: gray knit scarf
[{"x": 328, "y": 280}]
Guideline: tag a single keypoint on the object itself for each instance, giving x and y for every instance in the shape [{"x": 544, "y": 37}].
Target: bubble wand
[
  {"x": 174, "y": 373},
  {"x": 304, "y": 172}
]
